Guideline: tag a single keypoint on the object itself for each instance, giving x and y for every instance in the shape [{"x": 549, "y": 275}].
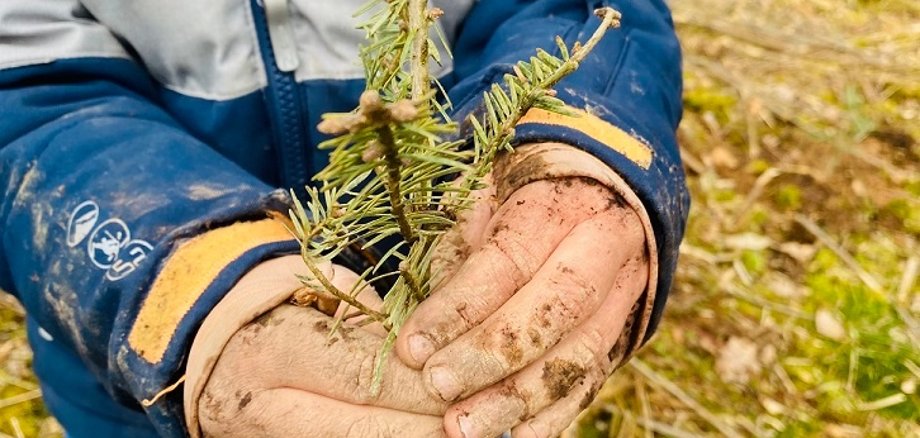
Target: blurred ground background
[
  {"x": 796, "y": 307},
  {"x": 796, "y": 310}
]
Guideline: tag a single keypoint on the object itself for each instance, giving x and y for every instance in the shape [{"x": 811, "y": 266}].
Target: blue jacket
[{"x": 142, "y": 144}]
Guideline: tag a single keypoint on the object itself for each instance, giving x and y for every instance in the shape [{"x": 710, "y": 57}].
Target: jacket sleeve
[
  {"x": 626, "y": 96},
  {"x": 119, "y": 230}
]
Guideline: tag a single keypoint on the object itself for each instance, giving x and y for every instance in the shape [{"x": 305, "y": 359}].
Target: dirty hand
[
  {"x": 523, "y": 333},
  {"x": 283, "y": 375}
]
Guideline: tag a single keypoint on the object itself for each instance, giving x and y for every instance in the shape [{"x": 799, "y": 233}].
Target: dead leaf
[
  {"x": 828, "y": 325},
  {"x": 909, "y": 386},
  {"x": 768, "y": 354},
  {"x": 737, "y": 361},
  {"x": 748, "y": 241},
  {"x": 842, "y": 431},
  {"x": 772, "y": 406},
  {"x": 722, "y": 158},
  {"x": 801, "y": 252},
  {"x": 783, "y": 286}
]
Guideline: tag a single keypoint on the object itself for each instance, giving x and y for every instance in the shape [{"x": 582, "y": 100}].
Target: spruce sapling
[{"x": 390, "y": 165}]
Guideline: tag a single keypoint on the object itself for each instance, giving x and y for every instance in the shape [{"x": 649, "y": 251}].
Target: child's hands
[
  {"x": 282, "y": 375},
  {"x": 526, "y": 330}
]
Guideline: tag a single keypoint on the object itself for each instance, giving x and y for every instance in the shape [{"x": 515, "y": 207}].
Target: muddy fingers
[
  {"x": 577, "y": 365},
  {"x": 519, "y": 239},
  {"x": 565, "y": 292}
]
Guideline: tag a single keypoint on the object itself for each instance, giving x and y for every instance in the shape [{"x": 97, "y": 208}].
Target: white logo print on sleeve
[
  {"x": 109, "y": 246},
  {"x": 106, "y": 242},
  {"x": 82, "y": 221}
]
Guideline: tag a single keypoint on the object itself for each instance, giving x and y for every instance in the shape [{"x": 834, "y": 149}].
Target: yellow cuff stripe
[
  {"x": 598, "y": 129},
  {"x": 185, "y": 276}
]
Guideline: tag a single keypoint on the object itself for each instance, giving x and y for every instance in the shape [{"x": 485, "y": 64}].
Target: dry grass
[
  {"x": 796, "y": 308},
  {"x": 21, "y": 411}
]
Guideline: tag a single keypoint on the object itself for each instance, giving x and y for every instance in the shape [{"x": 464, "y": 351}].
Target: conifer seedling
[{"x": 394, "y": 172}]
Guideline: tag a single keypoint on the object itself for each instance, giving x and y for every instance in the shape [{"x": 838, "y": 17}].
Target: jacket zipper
[{"x": 286, "y": 108}]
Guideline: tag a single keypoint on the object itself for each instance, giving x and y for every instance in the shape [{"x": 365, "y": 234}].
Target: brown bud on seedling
[
  {"x": 373, "y": 151},
  {"x": 403, "y": 111},
  {"x": 341, "y": 124},
  {"x": 435, "y": 13},
  {"x": 356, "y": 122},
  {"x": 602, "y": 13},
  {"x": 332, "y": 126},
  {"x": 370, "y": 101},
  {"x": 319, "y": 299}
]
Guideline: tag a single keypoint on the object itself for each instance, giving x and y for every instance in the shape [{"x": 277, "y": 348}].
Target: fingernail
[
  {"x": 420, "y": 348},
  {"x": 444, "y": 382},
  {"x": 467, "y": 429}
]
